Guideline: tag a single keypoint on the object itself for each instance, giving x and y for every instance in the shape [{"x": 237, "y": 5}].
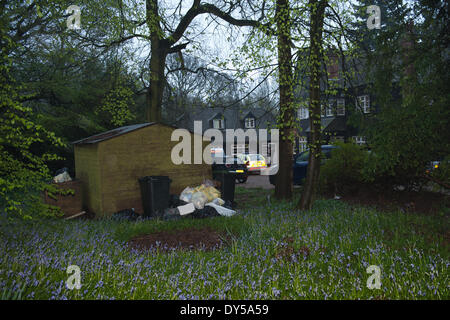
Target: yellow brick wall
[{"x": 87, "y": 170}]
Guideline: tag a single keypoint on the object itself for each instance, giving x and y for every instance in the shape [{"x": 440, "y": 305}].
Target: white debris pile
[
  {"x": 62, "y": 176},
  {"x": 221, "y": 210},
  {"x": 186, "y": 209},
  {"x": 201, "y": 196}
]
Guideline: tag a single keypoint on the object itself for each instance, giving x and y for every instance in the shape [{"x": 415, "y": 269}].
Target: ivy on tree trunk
[
  {"x": 313, "y": 171},
  {"x": 283, "y": 185}
]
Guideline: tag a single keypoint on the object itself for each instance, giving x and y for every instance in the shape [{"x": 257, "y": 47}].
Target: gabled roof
[
  {"x": 112, "y": 133},
  {"x": 217, "y": 115},
  {"x": 328, "y": 124},
  {"x": 249, "y": 115},
  {"x": 233, "y": 116},
  {"x": 338, "y": 124}
]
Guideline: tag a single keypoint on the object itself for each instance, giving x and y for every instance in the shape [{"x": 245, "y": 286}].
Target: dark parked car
[
  {"x": 233, "y": 165},
  {"x": 300, "y": 164}
]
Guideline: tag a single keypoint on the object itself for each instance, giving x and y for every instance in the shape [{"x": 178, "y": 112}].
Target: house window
[
  {"x": 359, "y": 140},
  {"x": 364, "y": 103},
  {"x": 303, "y": 113},
  {"x": 250, "y": 123},
  {"x": 323, "y": 110},
  {"x": 302, "y": 144},
  {"x": 340, "y": 109},
  {"x": 330, "y": 108},
  {"x": 218, "y": 123}
]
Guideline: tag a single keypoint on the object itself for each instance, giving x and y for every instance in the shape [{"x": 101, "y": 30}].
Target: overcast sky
[{"x": 210, "y": 40}]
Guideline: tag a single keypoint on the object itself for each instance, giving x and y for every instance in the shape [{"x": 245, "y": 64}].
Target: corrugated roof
[{"x": 112, "y": 133}]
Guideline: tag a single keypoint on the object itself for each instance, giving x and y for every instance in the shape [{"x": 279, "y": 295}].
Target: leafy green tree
[
  {"x": 23, "y": 171},
  {"x": 116, "y": 105},
  {"x": 411, "y": 127}
]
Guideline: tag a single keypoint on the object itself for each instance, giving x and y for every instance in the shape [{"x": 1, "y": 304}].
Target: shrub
[
  {"x": 342, "y": 173},
  {"x": 381, "y": 172}
]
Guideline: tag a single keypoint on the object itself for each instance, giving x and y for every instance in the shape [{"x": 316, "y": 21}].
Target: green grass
[
  {"x": 233, "y": 226},
  {"x": 277, "y": 253}
]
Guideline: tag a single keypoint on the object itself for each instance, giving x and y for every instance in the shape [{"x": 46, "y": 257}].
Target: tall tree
[
  {"x": 162, "y": 44},
  {"x": 317, "y": 16},
  {"x": 283, "y": 186}
]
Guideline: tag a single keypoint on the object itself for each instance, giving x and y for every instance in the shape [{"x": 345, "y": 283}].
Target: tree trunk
[
  {"x": 313, "y": 171},
  {"x": 283, "y": 181},
  {"x": 157, "y": 82},
  {"x": 157, "y": 63}
]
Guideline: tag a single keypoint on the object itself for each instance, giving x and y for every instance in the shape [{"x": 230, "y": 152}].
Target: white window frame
[
  {"x": 364, "y": 103},
  {"x": 303, "y": 113},
  {"x": 359, "y": 140},
  {"x": 249, "y": 123},
  {"x": 329, "y": 110},
  {"x": 340, "y": 107},
  {"x": 302, "y": 144},
  {"x": 218, "y": 123}
]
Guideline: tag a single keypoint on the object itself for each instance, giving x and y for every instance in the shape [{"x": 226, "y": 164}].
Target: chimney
[{"x": 333, "y": 64}]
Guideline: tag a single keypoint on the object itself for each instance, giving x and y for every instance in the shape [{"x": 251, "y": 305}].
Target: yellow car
[{"x": 254, "y": 162}]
